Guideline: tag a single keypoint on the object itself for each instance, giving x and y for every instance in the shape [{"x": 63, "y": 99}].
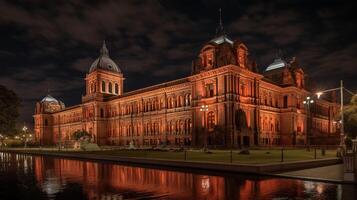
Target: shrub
[{"x": 79, "y": 134}]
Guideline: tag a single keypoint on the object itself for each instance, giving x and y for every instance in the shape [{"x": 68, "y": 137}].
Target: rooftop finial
[
  {"x": 104, "y": 50},
  {"x": 220, "y": 29}
]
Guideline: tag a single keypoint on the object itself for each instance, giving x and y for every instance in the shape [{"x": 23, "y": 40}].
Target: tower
[{"x": 104, "y": 78}]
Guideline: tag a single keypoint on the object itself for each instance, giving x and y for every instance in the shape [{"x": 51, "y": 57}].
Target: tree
[
  {"x": 9, "y": 110},
  {"x": 350, "y": 118},
  {"x": 241, "y": 125},
  {"x": 79, "y": 134},
  {"x": 219, "y": 135}
]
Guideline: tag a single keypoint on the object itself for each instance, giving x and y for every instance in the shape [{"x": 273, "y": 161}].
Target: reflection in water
[{"x": 54, "y": 178}]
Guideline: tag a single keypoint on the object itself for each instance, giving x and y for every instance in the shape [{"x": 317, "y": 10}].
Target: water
[{"x": 37, "y": 177}]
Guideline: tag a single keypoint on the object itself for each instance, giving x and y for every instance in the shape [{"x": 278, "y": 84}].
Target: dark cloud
[{"x": 51, "y": 44}]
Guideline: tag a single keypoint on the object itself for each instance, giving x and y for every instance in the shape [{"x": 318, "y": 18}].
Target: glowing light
[
  {"x": 204, "y": 108},
  {"x": 205, "y": 183},
  {"x": 319, "y": 188},
  {"x": 319, "y": 94}
]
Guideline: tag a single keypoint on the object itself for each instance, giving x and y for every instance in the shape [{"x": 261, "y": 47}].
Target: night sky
[{"x": 51, "y": 44}]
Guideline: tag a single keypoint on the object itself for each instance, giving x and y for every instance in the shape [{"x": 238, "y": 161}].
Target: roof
[
  {"x": 49, "y": 98},
  {"x": 104, "y": 61},
  {"x": 278, "y": 63},
  {"x": 221, "y": 39}
]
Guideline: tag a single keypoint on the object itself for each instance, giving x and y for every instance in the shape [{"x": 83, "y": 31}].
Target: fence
[{"x": 226, "y": 156}]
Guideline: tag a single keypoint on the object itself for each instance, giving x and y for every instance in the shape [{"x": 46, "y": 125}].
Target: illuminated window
[{"x": 209, "y": 90}]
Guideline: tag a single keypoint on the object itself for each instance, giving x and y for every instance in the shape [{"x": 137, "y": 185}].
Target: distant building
[{"x": 240, "y": 105}]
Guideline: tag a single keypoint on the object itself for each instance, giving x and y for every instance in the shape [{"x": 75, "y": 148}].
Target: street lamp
[
  {"x": 204, "y": 109},
  {"x": 307, "y": 103},
  {"x": 341, "y": 88},
  {"x": 24, "y": 129}
]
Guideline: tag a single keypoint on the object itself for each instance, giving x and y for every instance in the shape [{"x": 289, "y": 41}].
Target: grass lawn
[{"x": 255, "y": 156}]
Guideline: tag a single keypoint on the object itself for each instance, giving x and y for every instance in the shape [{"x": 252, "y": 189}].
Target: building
[{"x": 224, "y": 102}]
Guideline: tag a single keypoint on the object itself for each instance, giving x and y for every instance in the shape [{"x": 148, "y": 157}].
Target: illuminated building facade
[{"x": 241, "y": 106}]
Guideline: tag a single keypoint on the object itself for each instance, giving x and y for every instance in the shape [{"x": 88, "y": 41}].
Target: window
[
  {"x": 101, "y": 112},
  {"x": 242, "y": 90},
  {"x": 110, "y": 88},
  {"x": 210, "y": 120},
  {"x": 209, "y": 90},
  {"x": 46, "y": 122},
  {"x": 285, "y": 102},
  {"x": 116, "y": 89},
  {"x": 103, "y": 86}
]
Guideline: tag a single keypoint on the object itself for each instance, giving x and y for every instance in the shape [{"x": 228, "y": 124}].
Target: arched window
[
  {"x": 189, "y": 99},
  {"x": 116, "y": 88},
  {"x": 172, "y": 127},
  {"x": 110, "y": 88},
  {"x": 103, "y": 86},
  {"x": 210, "y": 120}
]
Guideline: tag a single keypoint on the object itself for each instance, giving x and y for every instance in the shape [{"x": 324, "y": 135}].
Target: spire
[
  {"x": 220, "y": 29},
  {"x": 278, "y": 54},
  {"x": 104, "y": 50}
]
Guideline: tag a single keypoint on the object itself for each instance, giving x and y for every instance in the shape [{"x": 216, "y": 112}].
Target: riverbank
[{"x": 270, "y": 169}]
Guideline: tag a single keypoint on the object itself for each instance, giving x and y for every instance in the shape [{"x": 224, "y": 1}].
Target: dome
[
  {"x": 278, "y": 63},
  {"x": 50, "y": 104},
  {"x": 104, "y": 62},
  {"x": 49, "y": 98}
]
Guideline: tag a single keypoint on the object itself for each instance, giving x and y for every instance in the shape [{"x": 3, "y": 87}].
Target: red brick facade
[{"x": 242, "y": 106}]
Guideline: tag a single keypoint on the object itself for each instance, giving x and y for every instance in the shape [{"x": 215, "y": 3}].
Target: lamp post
[
  {"x": 204, "y": 109},
  {"x": 24, "y": 129},
  {"x": 307, "y": 103},
  {"x": 341, "y": 88}
]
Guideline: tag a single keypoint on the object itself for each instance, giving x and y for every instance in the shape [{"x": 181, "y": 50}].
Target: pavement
[{"x": 332, "y": 173}]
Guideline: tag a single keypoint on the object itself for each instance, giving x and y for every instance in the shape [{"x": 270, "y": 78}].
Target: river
[{"x": 40, "y": 177}]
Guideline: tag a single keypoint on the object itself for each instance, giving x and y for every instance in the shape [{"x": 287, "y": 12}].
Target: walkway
[{"x": 332, "y": 173}]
